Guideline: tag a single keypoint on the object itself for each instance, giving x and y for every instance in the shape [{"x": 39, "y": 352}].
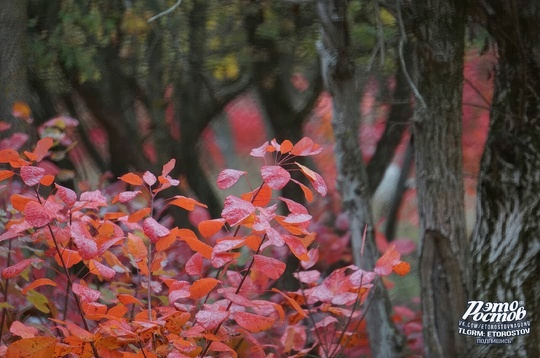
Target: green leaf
[{"x": 38, "y": 300}]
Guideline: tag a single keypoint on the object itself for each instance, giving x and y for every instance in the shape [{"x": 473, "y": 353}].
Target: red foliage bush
[{"x": 105, "y": 275}]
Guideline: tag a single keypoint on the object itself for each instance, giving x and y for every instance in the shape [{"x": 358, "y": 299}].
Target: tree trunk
[
  {"x": 338, "y": 72},
  {"x": 13, "y": 70},
  {"x": 440, "y": 28},
  {"x": 505, "y": 240}
]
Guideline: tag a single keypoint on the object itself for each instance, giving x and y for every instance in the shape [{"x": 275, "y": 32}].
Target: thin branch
[
  {"x": 380, "y": 34},
  {"x": 166, "y": 12},
  {"x": 402, "y": 40}
]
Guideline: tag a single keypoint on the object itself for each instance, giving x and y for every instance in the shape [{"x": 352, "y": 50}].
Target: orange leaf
[
  {"x": 292, "y": 302},
  {"x": 194, "y": 243},
  {"x": 131, "y": 178},
  {"x": 286, "y": 146},
  {"x": 114, "y": 215},
  {"x": 37, "y": 283},
  {"x": 202, "y": 287},
  {"x": 47, "y": 180},
  {"x": 128, "y": 299},
  {"x": 165, "y": 242},
  {"x": 5, "y": 174},
  {"x": 70, "y": 257},
  {"x": 19, "y": 201},
  {"x": 117, "y": 311},
  {"x": 21, "y": 110},
  {"x": 8, "y": 155},
  {"x": 186, "y": 203},
  {"x": 138, "y": 215},
  {"x": 37, "y": 347},
  {"x": 252, "y": 322},
  {"x": 210, "y": 227},
  {"x": 307, "y": 191},
  {"x": 42, "y": 148},
  {"x": 402, "y": 268},
  {"x": 259, "y": 197}
]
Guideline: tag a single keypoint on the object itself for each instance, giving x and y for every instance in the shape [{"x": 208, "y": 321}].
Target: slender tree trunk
[
  {"x": 339, "y": 76},
  {"x": 439, "y": 27},
  {"x": 506, "y": 238},
  {"x": 13, "y": 70}
]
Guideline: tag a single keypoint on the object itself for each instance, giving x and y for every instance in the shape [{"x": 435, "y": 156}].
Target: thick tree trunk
[
  {"x": 13, "y": 70},
  {"x": 339, "y": 76},
  {"x": 439, "y": 28},
  {"x": 505, "y": 240}
]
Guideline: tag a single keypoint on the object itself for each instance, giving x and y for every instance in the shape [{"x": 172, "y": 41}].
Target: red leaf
[
  {"x": 98, "y": 268},
  {"x": 125, "y": 196},
  {"x": 275, "y": 176},
  {"x": 31, "y": 175},
  {"x": 35, "y": 214},
  {"x": 209, "y": 228},
  {"x": 227, "y": 245},
  {"x": 8, "y": 155},
  {"x": 38, "y": 283},
  {"x": 86, "y": 245},
  {"x": 15, "y": 270},
  {"x": 269, "y": 266},
  {"x": 306, "y": 147},
  {"x": 228, "y": 177},
  {"x": 261, "y": 151},
  {"x": 149, "y": 178},
  {"x": 154, "y": 230},
  {"x": 294, "y": 207},
  {"x": 236, "y": 210},
  {"x": 292, "y": 302},
  {"x": 186, "y": 203},
  {"x": 167, "y": 168},
  {"x": 131, "y": 178},
  {"x": 252, "y": 322},
  {"x": 387, "y": 261},
  {"x": 315, "y": 179},
  {"x": 85, "y": 293},
  {"x": 68, "y": 196},
  {"x": 297, "y": 247},
  {"x": 42, "y": 148},
  {"x": 210, "y": 319},
  {"x": 5, "y": 174},
  {"x": 19, "y": 329},
  {"x": 194, "y": 266},
  {"x": 4, "y": 126}
]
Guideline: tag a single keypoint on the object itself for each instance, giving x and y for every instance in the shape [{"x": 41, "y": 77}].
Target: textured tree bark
[
  {"x": 339, "y": 77},
  {"x": 13, "y": 71},
  {"x": 505, "y": 240},
  {"x": 440, "y": 28}
]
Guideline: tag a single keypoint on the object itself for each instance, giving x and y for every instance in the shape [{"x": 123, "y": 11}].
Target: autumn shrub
[{"x": 91, "y": 273}]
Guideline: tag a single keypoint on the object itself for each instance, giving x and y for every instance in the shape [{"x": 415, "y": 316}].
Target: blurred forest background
[{"x": 205, "y": 82}]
